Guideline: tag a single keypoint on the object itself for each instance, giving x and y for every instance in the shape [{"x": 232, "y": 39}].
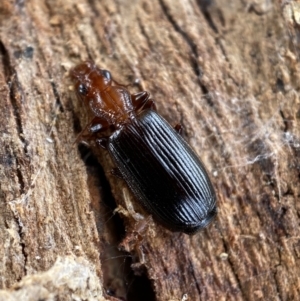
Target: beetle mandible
[{"x": 158, "y": 165}]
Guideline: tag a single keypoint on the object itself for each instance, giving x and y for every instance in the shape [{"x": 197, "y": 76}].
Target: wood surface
[{"x": 228, "y": 71}]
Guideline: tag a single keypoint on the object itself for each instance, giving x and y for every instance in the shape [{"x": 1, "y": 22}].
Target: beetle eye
[
  {"x": 82, "y": 89},
  {"x": 106, "y": 74}
]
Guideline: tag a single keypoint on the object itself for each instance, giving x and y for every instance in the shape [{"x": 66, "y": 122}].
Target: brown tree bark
[{"x": 228, "y": 72}]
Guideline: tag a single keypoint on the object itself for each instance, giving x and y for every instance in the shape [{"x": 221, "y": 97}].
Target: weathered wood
[{"x": 229, "y": 72}]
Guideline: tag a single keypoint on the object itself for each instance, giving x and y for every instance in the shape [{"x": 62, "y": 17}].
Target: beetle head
[{"x": 89, "y": 80}]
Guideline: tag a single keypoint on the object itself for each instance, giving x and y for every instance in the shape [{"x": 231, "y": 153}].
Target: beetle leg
[
  {"x": 150, "y": 104},
  {"x": 139, "y": 99},
  {"x": 178, "y": 128},
  {"x": 94, "y": 126},
  {"x": 142, "y": 101},
  {"x": 102, "y": 142},
  {"x": 116, "y": 172},
  {"x": 97, "y": 125},
  {"x": 118, "y": 84}
]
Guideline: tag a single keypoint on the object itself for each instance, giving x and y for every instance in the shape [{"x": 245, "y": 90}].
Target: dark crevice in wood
[
  {"x": 207, "y": 95},
  {"x": 218, "y": 42},
  {"x": 20, "y": 177},
  {"x": 204, "y": 5},
  {"x": 51, "y": 9},
  {"x": 137, "y": 287},
  {"x": 57, "y": 96},
  {"x": 279, "y": 86},
  {"x": 277, "y": 226},
  {"x": 277, "y": 285},
  {"x": 144, "y": 34},
  {"x": 94, "y": 168},
  {"x": 277, "y": 288},
  {"x": 113, "y": 225},
  {"x": 20, "y": 3},
  {"x": 21, "y": 242},
  {"x": 90, "y": 57},
  {"x": 285, "y": 122},
  {"x": 94, "y": 8},
  {"x": 97, "y": 14},
  {"x": 23, "y": 245},
  {"x": 141, "y": 289},
  {"x": 16, "y": 96},
  {"x": 195, "y": 278},
  {"x": 15, "y": 89},
  {"x": 194, "y": 53},
  {"x": 289, "y": 192}
]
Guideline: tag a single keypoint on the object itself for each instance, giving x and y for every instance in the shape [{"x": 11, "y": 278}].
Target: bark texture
[{"x": 228, "y": 72}]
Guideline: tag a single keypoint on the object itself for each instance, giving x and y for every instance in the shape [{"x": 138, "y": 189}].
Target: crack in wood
[
  {"x": 111, "y": 233},
  {"x": 144, "y": 34},
  {"x": 193, "y": 55},
  {"x": 57, "y": 96},
  {"x": 204, "y": 5},
  {"x": 21, "y": 237},
  {"x": 277, "y": 284},
  {"x": 16, "y": 96},
  {"x": 195, "y": 278},
  {"x": 16, "y": 93}
]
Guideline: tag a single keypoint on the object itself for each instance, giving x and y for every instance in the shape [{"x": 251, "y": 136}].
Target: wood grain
[{"x": 228, "y": 72}]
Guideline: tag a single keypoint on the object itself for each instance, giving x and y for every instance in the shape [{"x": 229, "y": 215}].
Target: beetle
[{"x": 158, "y": 165}]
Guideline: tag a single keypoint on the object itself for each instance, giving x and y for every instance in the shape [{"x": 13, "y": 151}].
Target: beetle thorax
[{"x": 114, "y": 105}]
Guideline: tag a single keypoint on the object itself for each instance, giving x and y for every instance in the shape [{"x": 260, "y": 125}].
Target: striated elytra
[{"x": 161, "y": 169}]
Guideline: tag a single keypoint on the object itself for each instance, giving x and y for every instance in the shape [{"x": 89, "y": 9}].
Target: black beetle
[{"x": 160, "y": 168}]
